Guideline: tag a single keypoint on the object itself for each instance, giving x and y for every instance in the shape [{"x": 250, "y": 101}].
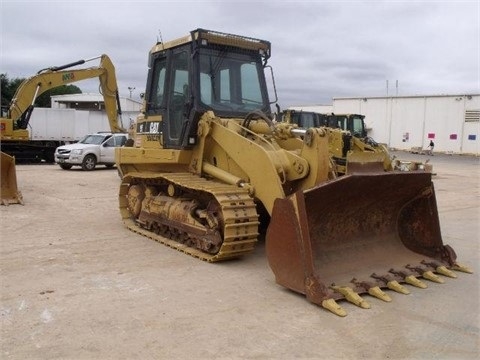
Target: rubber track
[{"x": 239, "y": 214}]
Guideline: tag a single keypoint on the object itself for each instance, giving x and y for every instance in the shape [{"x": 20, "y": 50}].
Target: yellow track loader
[{"x": 209, "y": 170}]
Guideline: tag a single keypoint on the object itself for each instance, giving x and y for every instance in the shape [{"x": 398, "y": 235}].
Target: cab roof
[{"x": 214, "y": 37}]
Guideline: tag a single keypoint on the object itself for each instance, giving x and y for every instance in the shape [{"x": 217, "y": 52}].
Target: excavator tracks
[{"x": 237, "y": 230}]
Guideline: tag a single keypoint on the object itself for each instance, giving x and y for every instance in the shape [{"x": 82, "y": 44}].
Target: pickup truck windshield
[{"x": 93, "y": 139}]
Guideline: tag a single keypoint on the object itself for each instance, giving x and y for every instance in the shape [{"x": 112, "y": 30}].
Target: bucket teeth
[
  {"x": 409, "y": 279},
  {"x": 432, "y": 277},
  {"x": 331, "y": 305},
  {"x": 462, "y": 268},
  {"x": 391, "y": 283},
  {"x": 395, "y": 286},
  {"x": 412, "y": 280},
  {"x": 442, "y": 270},
  {"x": 372, "y": 289},
  {"x": 352, "y": 296},
  {"x": 425, "y": 273},
  {"x": 379, "y": 294},
  {"x": 439, "y": 269}
]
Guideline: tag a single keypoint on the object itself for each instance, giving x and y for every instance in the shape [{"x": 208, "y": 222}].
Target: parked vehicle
[{"x": 92, "y": 150}]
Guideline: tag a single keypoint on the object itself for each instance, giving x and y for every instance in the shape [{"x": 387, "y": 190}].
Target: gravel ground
[{"x": 76, "y": 284}]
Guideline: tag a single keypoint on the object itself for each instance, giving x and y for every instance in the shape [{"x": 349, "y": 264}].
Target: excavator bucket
[
  {"x": 9, "y": 190},
  {"x": 358, "y": 234}
]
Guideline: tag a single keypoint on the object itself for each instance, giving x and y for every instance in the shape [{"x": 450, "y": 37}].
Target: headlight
[{"x": 77, "y": 152}]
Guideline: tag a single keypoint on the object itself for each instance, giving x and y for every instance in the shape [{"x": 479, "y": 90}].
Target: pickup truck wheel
[
  {"x": 65, "y": 166},
  {"x": 89, "y": 162}
]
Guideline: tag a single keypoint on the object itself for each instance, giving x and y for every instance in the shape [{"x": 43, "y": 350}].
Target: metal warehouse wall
[
  {"x": 70, "y": 124},
  {"x": 451, "y": 121}
]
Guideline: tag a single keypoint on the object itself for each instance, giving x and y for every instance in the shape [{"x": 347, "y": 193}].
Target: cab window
[
  {"x": 157, "y": 89},
  {"x": 358, "y": 129},
  {"x": 179, "y": 96}
]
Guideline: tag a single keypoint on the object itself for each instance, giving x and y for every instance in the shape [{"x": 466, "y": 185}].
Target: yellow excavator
[
  {"x": 209, "y": 170},
  {"x": 15, "y": 136}
]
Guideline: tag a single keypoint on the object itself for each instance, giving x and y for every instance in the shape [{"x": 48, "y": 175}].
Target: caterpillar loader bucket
[
  {"x": 9, "y": 190},
  {"x": 358, "y": 234}
]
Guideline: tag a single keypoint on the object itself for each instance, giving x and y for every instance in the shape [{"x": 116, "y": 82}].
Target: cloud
[{"x": 320, "y": 49}]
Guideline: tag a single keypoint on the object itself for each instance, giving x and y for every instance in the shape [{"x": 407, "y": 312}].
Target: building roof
[
  {"x": 403, "y": 96},
  {"x": 86, "y": 97}
]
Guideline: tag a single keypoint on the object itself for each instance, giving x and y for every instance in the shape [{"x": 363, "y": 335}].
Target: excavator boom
[{"x": 23, "y": 101}]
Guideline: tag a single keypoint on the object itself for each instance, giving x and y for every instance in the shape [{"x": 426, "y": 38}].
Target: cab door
[
  {"x": 177, "y": 90},
  {"x": 168, "y": 89}
]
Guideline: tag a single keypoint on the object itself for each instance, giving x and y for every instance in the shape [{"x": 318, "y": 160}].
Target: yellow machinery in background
[
  {"x": 352, "y": 150},
  {"x": 15, "y": 137}
]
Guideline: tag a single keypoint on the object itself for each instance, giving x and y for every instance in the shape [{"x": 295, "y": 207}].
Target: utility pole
[{"x": 131, "y": 90}]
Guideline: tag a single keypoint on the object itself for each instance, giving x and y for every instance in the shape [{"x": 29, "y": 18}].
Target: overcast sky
[{"x": 320, "y": 49}]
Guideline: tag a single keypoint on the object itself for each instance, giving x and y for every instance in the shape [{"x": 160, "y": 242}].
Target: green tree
[
  {"x": 10, "y": 86},
  {"x": 44, "y": 99}
]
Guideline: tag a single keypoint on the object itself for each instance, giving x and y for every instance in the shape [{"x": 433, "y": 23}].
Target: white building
[
  {"x": 408, "y": 122},
  {"x": 73, "y": 116},
  {"x": 89, "y": 101}
]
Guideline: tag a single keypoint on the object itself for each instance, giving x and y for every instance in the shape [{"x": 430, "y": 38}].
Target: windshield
[
  {"x": 358, "y": 129},
  {"x": 304, "y": 120},
  {"x": 92, "y": 139},
  {"x": 231, "y": 81}
]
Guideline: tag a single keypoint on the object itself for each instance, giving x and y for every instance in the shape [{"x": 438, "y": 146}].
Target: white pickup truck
[{"x": 92, "y": 150}]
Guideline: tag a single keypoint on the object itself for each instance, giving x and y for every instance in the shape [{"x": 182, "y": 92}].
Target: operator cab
[
  {"x": 353, "y": 122},
  {"x": 206, "y": 71},
  {"x": 305, "y": 119}
]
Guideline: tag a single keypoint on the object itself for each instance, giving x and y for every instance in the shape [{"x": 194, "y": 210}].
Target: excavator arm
[{"x": 23, "y": 101}]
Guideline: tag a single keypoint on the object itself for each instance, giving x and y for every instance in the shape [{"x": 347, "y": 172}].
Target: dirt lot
[{"x": 76, "y": 284}]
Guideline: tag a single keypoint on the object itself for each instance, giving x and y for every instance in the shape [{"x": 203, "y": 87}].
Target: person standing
[{"x": 430, "y": 147}]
